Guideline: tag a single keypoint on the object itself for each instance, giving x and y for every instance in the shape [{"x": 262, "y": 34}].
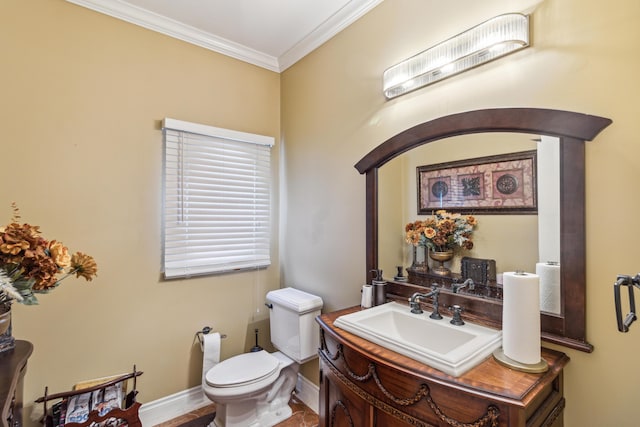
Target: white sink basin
[{"x": 437, "y": 343}]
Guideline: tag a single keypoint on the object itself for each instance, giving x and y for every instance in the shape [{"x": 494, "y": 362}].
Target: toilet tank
[{"x": 294, "y": 330}]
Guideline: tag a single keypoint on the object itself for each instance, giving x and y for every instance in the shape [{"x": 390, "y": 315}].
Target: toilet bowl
[{"x": 254, "y": 389}]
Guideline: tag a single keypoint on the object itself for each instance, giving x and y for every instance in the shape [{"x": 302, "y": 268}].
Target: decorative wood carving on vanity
[{"x": 363, "y": 384}]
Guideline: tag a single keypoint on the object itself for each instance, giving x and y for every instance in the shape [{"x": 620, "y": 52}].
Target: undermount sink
[{"x": 437, "y": 343}]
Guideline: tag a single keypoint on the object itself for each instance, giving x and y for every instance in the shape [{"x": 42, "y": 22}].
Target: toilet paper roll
[
  {"x": 549, "y": 286},
  {"x": 210, "y": 351},
  {"x": 521, "y": 317},
  {"x": 367, "y": 296}
]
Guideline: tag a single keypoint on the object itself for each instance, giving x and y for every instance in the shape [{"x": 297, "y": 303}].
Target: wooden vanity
[{"x": 364, "y": 384}]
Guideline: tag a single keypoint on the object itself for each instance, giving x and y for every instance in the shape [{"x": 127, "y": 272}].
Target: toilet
[{"x": 254, "y": 389}]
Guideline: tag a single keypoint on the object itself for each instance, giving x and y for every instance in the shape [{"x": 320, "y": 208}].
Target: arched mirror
[{"x": 466, "y": 135}]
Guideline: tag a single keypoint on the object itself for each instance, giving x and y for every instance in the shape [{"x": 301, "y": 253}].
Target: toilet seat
[{"x": 244, "y": 369}]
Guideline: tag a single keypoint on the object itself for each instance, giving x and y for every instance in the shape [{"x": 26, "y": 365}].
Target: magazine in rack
[{"x": 103, "y": 404}]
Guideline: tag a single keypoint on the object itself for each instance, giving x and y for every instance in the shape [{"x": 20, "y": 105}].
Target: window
[{"x": 217, "y": 191}]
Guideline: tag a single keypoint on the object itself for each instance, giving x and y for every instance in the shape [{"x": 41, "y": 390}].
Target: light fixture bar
[{"x": 485, "y": 42}]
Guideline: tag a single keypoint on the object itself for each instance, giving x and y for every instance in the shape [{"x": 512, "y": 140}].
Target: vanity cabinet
[
  {"x": 13, "y": 365},
  {"x": 364, "y": 384}
]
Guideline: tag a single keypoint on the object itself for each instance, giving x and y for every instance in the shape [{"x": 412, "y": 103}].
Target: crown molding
[
  {"x": 172, "y": 28},
  {"x": 346, "y": 16},
  {"x": 351, "y": 12}
]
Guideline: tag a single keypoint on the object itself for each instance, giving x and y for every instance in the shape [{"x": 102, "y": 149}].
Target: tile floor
[{"x": 302, "y": 417}]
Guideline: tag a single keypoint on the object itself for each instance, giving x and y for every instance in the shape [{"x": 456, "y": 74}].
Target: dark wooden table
[{"x": 13, "y": 365}]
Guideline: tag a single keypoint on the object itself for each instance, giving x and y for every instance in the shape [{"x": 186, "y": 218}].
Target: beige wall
[
  {"x": 583, "y": 59},
  {"x": 82, "y": 97},
  {"x": 81, "y": 100}
]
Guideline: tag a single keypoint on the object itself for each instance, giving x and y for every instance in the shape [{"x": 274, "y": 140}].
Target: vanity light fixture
[{"x": 485, "y": 42}]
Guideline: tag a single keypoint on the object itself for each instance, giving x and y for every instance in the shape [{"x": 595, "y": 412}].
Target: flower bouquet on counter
[
  {"x": 31, "y": 264},
  {"x": 442, "y": 231}
]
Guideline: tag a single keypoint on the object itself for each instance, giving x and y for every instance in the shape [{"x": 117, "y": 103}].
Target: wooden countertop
[{"x": 489, "y": 378}]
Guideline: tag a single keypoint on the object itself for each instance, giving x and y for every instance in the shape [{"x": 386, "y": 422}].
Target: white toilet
[{"x": 254, "y": 389}]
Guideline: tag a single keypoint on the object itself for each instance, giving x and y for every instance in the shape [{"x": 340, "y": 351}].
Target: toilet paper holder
[
  {"x": 629, "y": 282},
  {"x": 205, "y": 331}
]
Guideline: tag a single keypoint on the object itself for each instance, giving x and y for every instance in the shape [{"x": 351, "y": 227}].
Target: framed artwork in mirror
[{"x": 501, "y": 184}]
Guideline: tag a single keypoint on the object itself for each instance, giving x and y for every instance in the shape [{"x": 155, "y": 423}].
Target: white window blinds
[{"x": 217, "y": 191}]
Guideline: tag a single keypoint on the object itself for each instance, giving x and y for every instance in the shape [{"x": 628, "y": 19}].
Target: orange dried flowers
[{"x": 33, "y": 263}]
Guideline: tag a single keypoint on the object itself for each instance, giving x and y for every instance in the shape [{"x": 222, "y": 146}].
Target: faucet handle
[{"x": 457, "y": 315}]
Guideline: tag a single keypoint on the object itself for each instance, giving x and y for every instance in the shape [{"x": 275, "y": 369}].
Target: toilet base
[
  {"x": 241, "y": 415},
  {"x": 264, "y": 407}
]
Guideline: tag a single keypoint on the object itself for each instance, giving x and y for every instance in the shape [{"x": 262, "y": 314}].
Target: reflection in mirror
[{"x": 514, "y": 241}]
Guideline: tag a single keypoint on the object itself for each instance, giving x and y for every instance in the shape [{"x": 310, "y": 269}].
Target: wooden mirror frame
[{"x": 572, "y": 129}]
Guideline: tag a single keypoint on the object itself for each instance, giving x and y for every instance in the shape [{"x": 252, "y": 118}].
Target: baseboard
[
  {"x": 172, "y": 406},
  {"x": 175, "y": 405},
  {"x": 308, "y": 392}
]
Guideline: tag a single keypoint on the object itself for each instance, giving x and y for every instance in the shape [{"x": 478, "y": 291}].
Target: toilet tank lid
[{"x": 295, "y": 300}]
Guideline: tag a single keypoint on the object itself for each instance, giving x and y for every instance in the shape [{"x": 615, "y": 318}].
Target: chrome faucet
[
  {"x": 455, "y": 287},
  {"x": 414, "y": 303}
]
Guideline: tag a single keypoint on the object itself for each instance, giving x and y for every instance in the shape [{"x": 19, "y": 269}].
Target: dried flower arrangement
[
  {"x": 442, "y": 231},
  {"x": 30, "y": 264}
]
